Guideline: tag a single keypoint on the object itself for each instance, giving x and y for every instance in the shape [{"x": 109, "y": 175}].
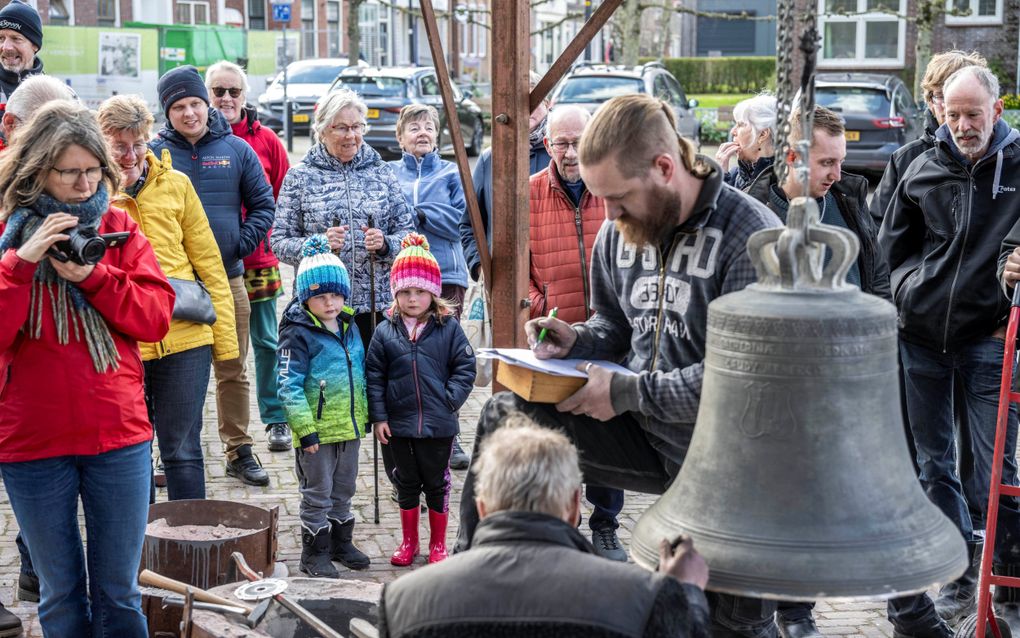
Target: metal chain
[{"x": 785, "y": 23}]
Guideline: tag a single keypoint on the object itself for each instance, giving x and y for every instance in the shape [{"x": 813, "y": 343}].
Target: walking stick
[{"x": 375, "y": 441}]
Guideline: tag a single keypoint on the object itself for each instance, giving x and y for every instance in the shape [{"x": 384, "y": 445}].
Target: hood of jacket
[
  {"x": 931, "y": 125},
  {"x": 429, "y": 162},
  {"x": 218, "y": 127},
  {"x": 319, "y": 157},
  {"x": 529, "y": 527},
  {"x": 249, "y": 122}
]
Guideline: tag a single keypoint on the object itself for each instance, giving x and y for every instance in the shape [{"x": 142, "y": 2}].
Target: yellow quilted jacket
[{"x": 171, "y": 216}]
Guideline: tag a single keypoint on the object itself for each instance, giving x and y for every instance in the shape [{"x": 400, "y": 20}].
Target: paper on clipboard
[{"x": 525, "y": 358}]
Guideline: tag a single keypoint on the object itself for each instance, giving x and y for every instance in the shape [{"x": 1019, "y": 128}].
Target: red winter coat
[
  {"x": 52, "y": 400},
  {"x": 274, "y": 160},
  {"x": 562, "y": 237}
]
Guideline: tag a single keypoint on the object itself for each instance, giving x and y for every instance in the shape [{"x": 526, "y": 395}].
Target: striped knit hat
[
  {"x": 320, "y": 271},
  {"x": 415, "y": 267}
]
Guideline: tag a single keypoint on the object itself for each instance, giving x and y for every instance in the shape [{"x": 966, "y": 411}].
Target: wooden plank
[
  {"x": 511, "y": 57},
  {"x": 571, "y": 53},
  {"x": 453, "y": 123}
]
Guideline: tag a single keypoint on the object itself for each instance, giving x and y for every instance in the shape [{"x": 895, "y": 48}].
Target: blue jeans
[
  {"x": 607, "y": 503},
  {"x": 262, "y": 324},
  {"x": 114, "y": 491},
  {"x": 929, "y": 378},
  {"x": 175, "y": 388}
]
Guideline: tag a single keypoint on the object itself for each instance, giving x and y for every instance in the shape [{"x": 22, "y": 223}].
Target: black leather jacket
[
  {"x": 897, "y": 166},
  {"x": 851, "y": 193}
]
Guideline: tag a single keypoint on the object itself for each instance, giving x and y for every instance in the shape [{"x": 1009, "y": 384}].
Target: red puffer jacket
[
  {"x": 562, "y": 237},
  {"x": 274, "y": 160},
  {"x": 52, "y": 400}
]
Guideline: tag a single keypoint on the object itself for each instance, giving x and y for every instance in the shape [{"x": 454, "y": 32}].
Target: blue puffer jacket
[
  {"x": 432, "y": 188},
  {"x": 322, "y": 188},
  {"x": 418, "y": 386},
  {"x": 227, "y": 174},
  {"x": 308, "y": 355}
]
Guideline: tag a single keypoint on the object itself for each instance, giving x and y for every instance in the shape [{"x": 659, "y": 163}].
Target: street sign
[{"x": 281, "y": 12}]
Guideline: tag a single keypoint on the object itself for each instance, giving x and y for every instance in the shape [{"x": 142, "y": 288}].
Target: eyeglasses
[
  {"x": 357, "y": 129},
  {"x": 70, "y": 176},
  {"x": 218, "y": 91},
  {"x": 120, "y": 150},
  {"x": 938, "y": 98},
  {"x": 563, "y": 146}
]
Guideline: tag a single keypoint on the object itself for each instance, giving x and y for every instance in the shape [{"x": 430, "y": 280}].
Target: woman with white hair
[
  {"x": 344, "y": 189},
  {"x": 753, "y": 135}
]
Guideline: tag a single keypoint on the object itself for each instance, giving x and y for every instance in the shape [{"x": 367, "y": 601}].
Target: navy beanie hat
[
  {"x": 179, "y": 83},
  {"x": 20, "y": 17}
]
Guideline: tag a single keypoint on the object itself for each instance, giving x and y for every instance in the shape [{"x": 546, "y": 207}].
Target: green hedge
[
  {"x": 1011, "y": 101},
  {"x": 722, "y": 75}
]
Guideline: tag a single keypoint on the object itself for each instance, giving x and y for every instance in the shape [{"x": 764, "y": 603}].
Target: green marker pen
[{"x": 541, "y": 335}]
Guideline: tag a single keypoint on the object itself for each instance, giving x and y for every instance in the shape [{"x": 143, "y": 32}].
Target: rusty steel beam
[
  {"x": 453, "y": 122},
  {"x": 511, "y": 57},
  {"x": 574, "y": 49}
]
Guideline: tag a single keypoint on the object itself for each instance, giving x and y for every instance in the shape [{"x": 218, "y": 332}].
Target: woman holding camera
[
  {"x": 73, "y": 421},
  {"x": 164, "y": 204}
]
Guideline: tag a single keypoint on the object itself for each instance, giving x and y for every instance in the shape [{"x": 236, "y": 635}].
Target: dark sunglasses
[{"x": 218, "y": 91}]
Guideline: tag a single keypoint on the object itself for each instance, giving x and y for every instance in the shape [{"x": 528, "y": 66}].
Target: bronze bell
[{"x": 798, "y": 482}]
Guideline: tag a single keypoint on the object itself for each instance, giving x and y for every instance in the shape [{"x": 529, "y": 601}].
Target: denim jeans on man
[
  {"x": 175, "y": 388},
  {"x": 928, "y": 378},
  {"x": 114, "y": 491}
]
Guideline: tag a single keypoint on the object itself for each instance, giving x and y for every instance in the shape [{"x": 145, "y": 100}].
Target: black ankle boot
[
  {"x": 341, "y": 546},
  {"x": 959, "y": 598},
  {"x": 10, "y": 625},
  {"x": 315, "y": 554}
]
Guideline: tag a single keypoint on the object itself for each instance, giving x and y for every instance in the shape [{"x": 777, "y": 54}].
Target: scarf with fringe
[{"x": 71, "y": 310}]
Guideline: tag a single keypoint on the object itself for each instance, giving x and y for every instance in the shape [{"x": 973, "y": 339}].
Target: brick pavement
[{"x": 853, "y": 619}]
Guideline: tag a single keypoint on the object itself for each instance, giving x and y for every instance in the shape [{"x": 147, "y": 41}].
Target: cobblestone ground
[{"x": 859, "y": 619}]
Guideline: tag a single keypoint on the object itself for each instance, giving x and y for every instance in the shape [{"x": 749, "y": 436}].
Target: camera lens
[{"x": 86, "y": 249}]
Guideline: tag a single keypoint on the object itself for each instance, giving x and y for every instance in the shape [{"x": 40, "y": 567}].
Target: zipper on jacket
[
  {"x": 417, "y": 388},
  {"x": 662, "y": 299},
  {"x": 350, "y": 227},
  {"x": 350, "y": 382},
  {"x": 545, "y": 299},
  {"x": 417, "y": 180},
  {"x": 959, "y": 263},
  {"x": 584, "y": 271}
]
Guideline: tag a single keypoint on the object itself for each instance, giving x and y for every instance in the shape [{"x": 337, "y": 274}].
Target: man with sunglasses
[
  {"x": 238, "y": 201},
  {"x": 564, "y": 220}
]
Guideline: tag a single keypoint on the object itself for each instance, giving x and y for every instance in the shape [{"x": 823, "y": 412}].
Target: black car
[
  {"x": 307, "y": 81},
  {"x": 589, "y": 85},
  {"x": 386, "y": 90},
  {"x": 879, "y": 113}
]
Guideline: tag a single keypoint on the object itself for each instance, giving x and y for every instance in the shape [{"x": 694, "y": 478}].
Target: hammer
[{"x": 251, "y": 619}]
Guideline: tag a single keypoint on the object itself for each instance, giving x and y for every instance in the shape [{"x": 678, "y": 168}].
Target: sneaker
[
  {"x": 459, "y": 460},
  {"x": 279, "y": 437},
  {"x": 607, "y": 544},
  {"x": 248, "y": 468}
]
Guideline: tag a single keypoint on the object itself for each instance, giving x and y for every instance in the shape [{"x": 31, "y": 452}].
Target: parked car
[
  {"x": 386, "y": 90},
  {"x": 879, "y": 113},
  {"x": 307, "y": 81},
  {"x": 589, "y": 85}
]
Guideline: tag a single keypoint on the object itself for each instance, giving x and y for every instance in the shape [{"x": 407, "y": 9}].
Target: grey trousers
[{"x": 327, "y": 483}]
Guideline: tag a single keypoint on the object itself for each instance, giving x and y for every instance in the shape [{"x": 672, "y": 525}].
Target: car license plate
[
  {"x": 853, "y": 136},
  {"x": 373, "y": 114},
  {"x": 300, "y": 118}
]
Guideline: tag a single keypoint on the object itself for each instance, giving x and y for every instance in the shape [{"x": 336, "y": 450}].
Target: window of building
[
  {"x": 192, "y": 12},
  {"x": 981, "y": 12},
  {"x": 718, "y": 36},
  {"x": 257, "y": 14},
  {"x": 308, "y": 44},
  {"x": 871, "y": 34},
  {"x": 333, "y": 35},
  {"x": 59, "y": 13},
  {"x": 106, "y": 12}
]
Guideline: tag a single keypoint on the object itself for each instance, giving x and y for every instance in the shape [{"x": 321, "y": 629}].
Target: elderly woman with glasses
[
  {"x": 753, "y": 135},
  {"x": 73, "y": 422},
  {"x": 344, "y": 189},
  {"x": 164, "y": 204}
]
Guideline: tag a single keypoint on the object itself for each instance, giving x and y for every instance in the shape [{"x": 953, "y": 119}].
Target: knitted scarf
[
  {"x": 71, "y": 310},
  {"x": 536, "y": 136}
]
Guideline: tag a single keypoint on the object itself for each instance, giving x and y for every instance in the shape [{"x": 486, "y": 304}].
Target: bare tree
[{"x": 353, "y": 31}]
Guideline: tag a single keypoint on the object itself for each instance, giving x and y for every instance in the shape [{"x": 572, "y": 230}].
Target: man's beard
[
  {"x": 13, "y": 65},
  {"x": 663, "y": 215}
]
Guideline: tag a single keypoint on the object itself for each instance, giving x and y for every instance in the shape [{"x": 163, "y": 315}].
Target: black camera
[{"x": 85, "y": 246}]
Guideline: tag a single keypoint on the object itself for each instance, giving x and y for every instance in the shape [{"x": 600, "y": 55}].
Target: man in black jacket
[
  {"x": 21, "y": 38},
  {"x": 532, "y": 573},
  {"x": 842, "y": 197},
  {"x": 942, "y": 235}
]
